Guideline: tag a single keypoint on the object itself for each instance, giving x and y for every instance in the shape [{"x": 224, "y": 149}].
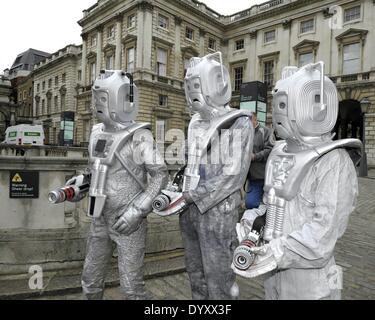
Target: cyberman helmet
[
  {"x": 115, "y": 98},
  {"x": 207, "y": 83},
  {"x": 305, "y": 104}
]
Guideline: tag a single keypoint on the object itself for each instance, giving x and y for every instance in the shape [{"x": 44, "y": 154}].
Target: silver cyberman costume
[
  {"x": 310, "y": 189},
  {"x": 122, "y": 155},
  {"x": 218, "y": 161}
]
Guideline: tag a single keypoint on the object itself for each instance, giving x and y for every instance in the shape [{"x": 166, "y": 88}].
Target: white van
[{"x": 25, "y": 134}]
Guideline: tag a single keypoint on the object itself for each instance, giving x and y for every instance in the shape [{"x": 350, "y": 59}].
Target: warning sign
[
  {"x": 17, "y": 178},
  {"x": 24, "y": 184}
]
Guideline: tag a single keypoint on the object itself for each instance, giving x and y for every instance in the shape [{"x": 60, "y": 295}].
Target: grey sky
[{"x": 49, "y": 25}]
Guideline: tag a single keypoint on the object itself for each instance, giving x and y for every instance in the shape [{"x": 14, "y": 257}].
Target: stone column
[
  {"x": 84, "y": 59},
  {"x": 139, "y": 53},
  {"x": 118, "y": 41},
  {"x": 202, "y": 34},
  {"x": 177, "y": 47},
  {"x": 254, "y": 63},
  {"x": 147, "y": 36},
  {"x": 144, "y": 35},
  {"x": 99, "y": 49}
]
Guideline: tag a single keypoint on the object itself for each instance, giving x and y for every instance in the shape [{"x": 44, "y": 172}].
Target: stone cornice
[
  {"x": 352, "y": 32},
  {"x": 189, "y": 49},
  {"x": 162, "y": 41},
  {"x": 306, "y": 43},
  {"x": 145, "y": 5},
  {"x": 128, "y": 38}
]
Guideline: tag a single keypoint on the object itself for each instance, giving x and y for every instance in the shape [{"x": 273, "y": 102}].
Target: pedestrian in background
[{"x": 264, "y": 141}]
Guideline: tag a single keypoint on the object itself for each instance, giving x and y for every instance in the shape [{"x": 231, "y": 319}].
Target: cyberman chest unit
[
  {"x": 104, "y": 150},
  {"x": 285, "y": 172}
]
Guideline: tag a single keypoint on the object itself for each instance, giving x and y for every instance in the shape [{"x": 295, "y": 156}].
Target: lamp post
[{"x": 365, "y": 105}]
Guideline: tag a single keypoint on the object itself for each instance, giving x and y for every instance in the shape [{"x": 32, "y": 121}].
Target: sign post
[
  {"x": 67, "y": 129},
  {"x": 254, "y": 98}
]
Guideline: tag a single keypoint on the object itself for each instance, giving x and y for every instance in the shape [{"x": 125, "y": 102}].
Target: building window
[
  {"x": 38, "y": 87},
  {"x": 306, "y": 26},
  {"x": 79, "y": 76},
  {"x": 269, "y": 36},
  {"x": 268, "y": 69},
  {"x": 43, "y": 85},
  {"x": 130, "y": 60},
  {"x": 212, "y": 44},
  {"x": 63, "y": 78},
  {"x": 305, "y": 58},
  {"x": 43, "y": 107},
  {"x": 109, "y": 62},
  {"x": 93, "y": 41},
  {"x": 30, "y": 92},
  {"x": 163, "y": 21},
  {"x": 92, "y": 74},
  {"x": 238, "y": 78},
  {"x": 56, "y": 103},
  {"x": 49, "y": 83},
  {"x": 189, "y": 33},
  {"x": 163, "y": 100},
  {"x": 162, "y": 62},
  {"x": 131, "y": 21},
  {"x": 239, "y": 44},
  {"x": 351, "y": 58},
  {"x": 352, "y": 14},
  {"x": 56, "y": 80},
  {"x": 111, "y": 32}
]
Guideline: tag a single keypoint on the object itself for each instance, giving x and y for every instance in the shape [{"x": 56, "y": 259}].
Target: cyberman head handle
[
  {"x": 115, "y": 99},
  {"x": 207, "y": 85},
  {"x": 305, "y": 105}
]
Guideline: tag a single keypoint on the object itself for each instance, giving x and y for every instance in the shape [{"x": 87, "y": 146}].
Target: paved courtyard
[{"x": 355, "y": 253}]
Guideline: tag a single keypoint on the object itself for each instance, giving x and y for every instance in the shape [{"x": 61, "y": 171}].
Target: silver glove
[{"x": 129, "y": 222}]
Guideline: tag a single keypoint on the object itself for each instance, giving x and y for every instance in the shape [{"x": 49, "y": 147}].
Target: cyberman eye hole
[
  {"x": 282, "y": 105},
  {"x": 103, "y": 100},
  {"x": 317, "y": 98},
  {"x": 196, "y": 86}
]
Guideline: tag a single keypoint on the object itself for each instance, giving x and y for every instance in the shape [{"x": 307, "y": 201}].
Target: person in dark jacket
[{"x": 264, "y": 141}]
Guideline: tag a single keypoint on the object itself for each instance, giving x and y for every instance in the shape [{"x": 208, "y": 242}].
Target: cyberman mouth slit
[{"x": 196, "y": 100}]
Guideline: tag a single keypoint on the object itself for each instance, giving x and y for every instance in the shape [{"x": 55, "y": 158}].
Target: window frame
[
  {"x": 236, "y": 81},
  {"x": 264, "y": 74},
  {"x": 128, "y": 60},
  {"x": 300, "y": 32},
  {"x": 163, "y": 98},
  {"x": 160, "y": 16},
  {"x": 159, "y": 63},
  {"x": 212, "y": 40},
  {"x": 111, "y": 31},
  {"x": 187, "y": 28},
  {"x": 305, "y": 53},
  {"x": 242, "y": 40},
  {"x": 264, "y": 36},
  {"x": 359, "y": 58},
  {"x": 130, "y": 24},
  {"x": 353, "y": 20}
]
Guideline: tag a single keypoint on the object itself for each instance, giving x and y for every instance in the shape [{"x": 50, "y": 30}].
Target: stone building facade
[
  {"x": 25, "y": 92},
  {"x": 154, "y": 39},
  {"x": 55, "y": 84},
  {"x": 7, "y": 106}
]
